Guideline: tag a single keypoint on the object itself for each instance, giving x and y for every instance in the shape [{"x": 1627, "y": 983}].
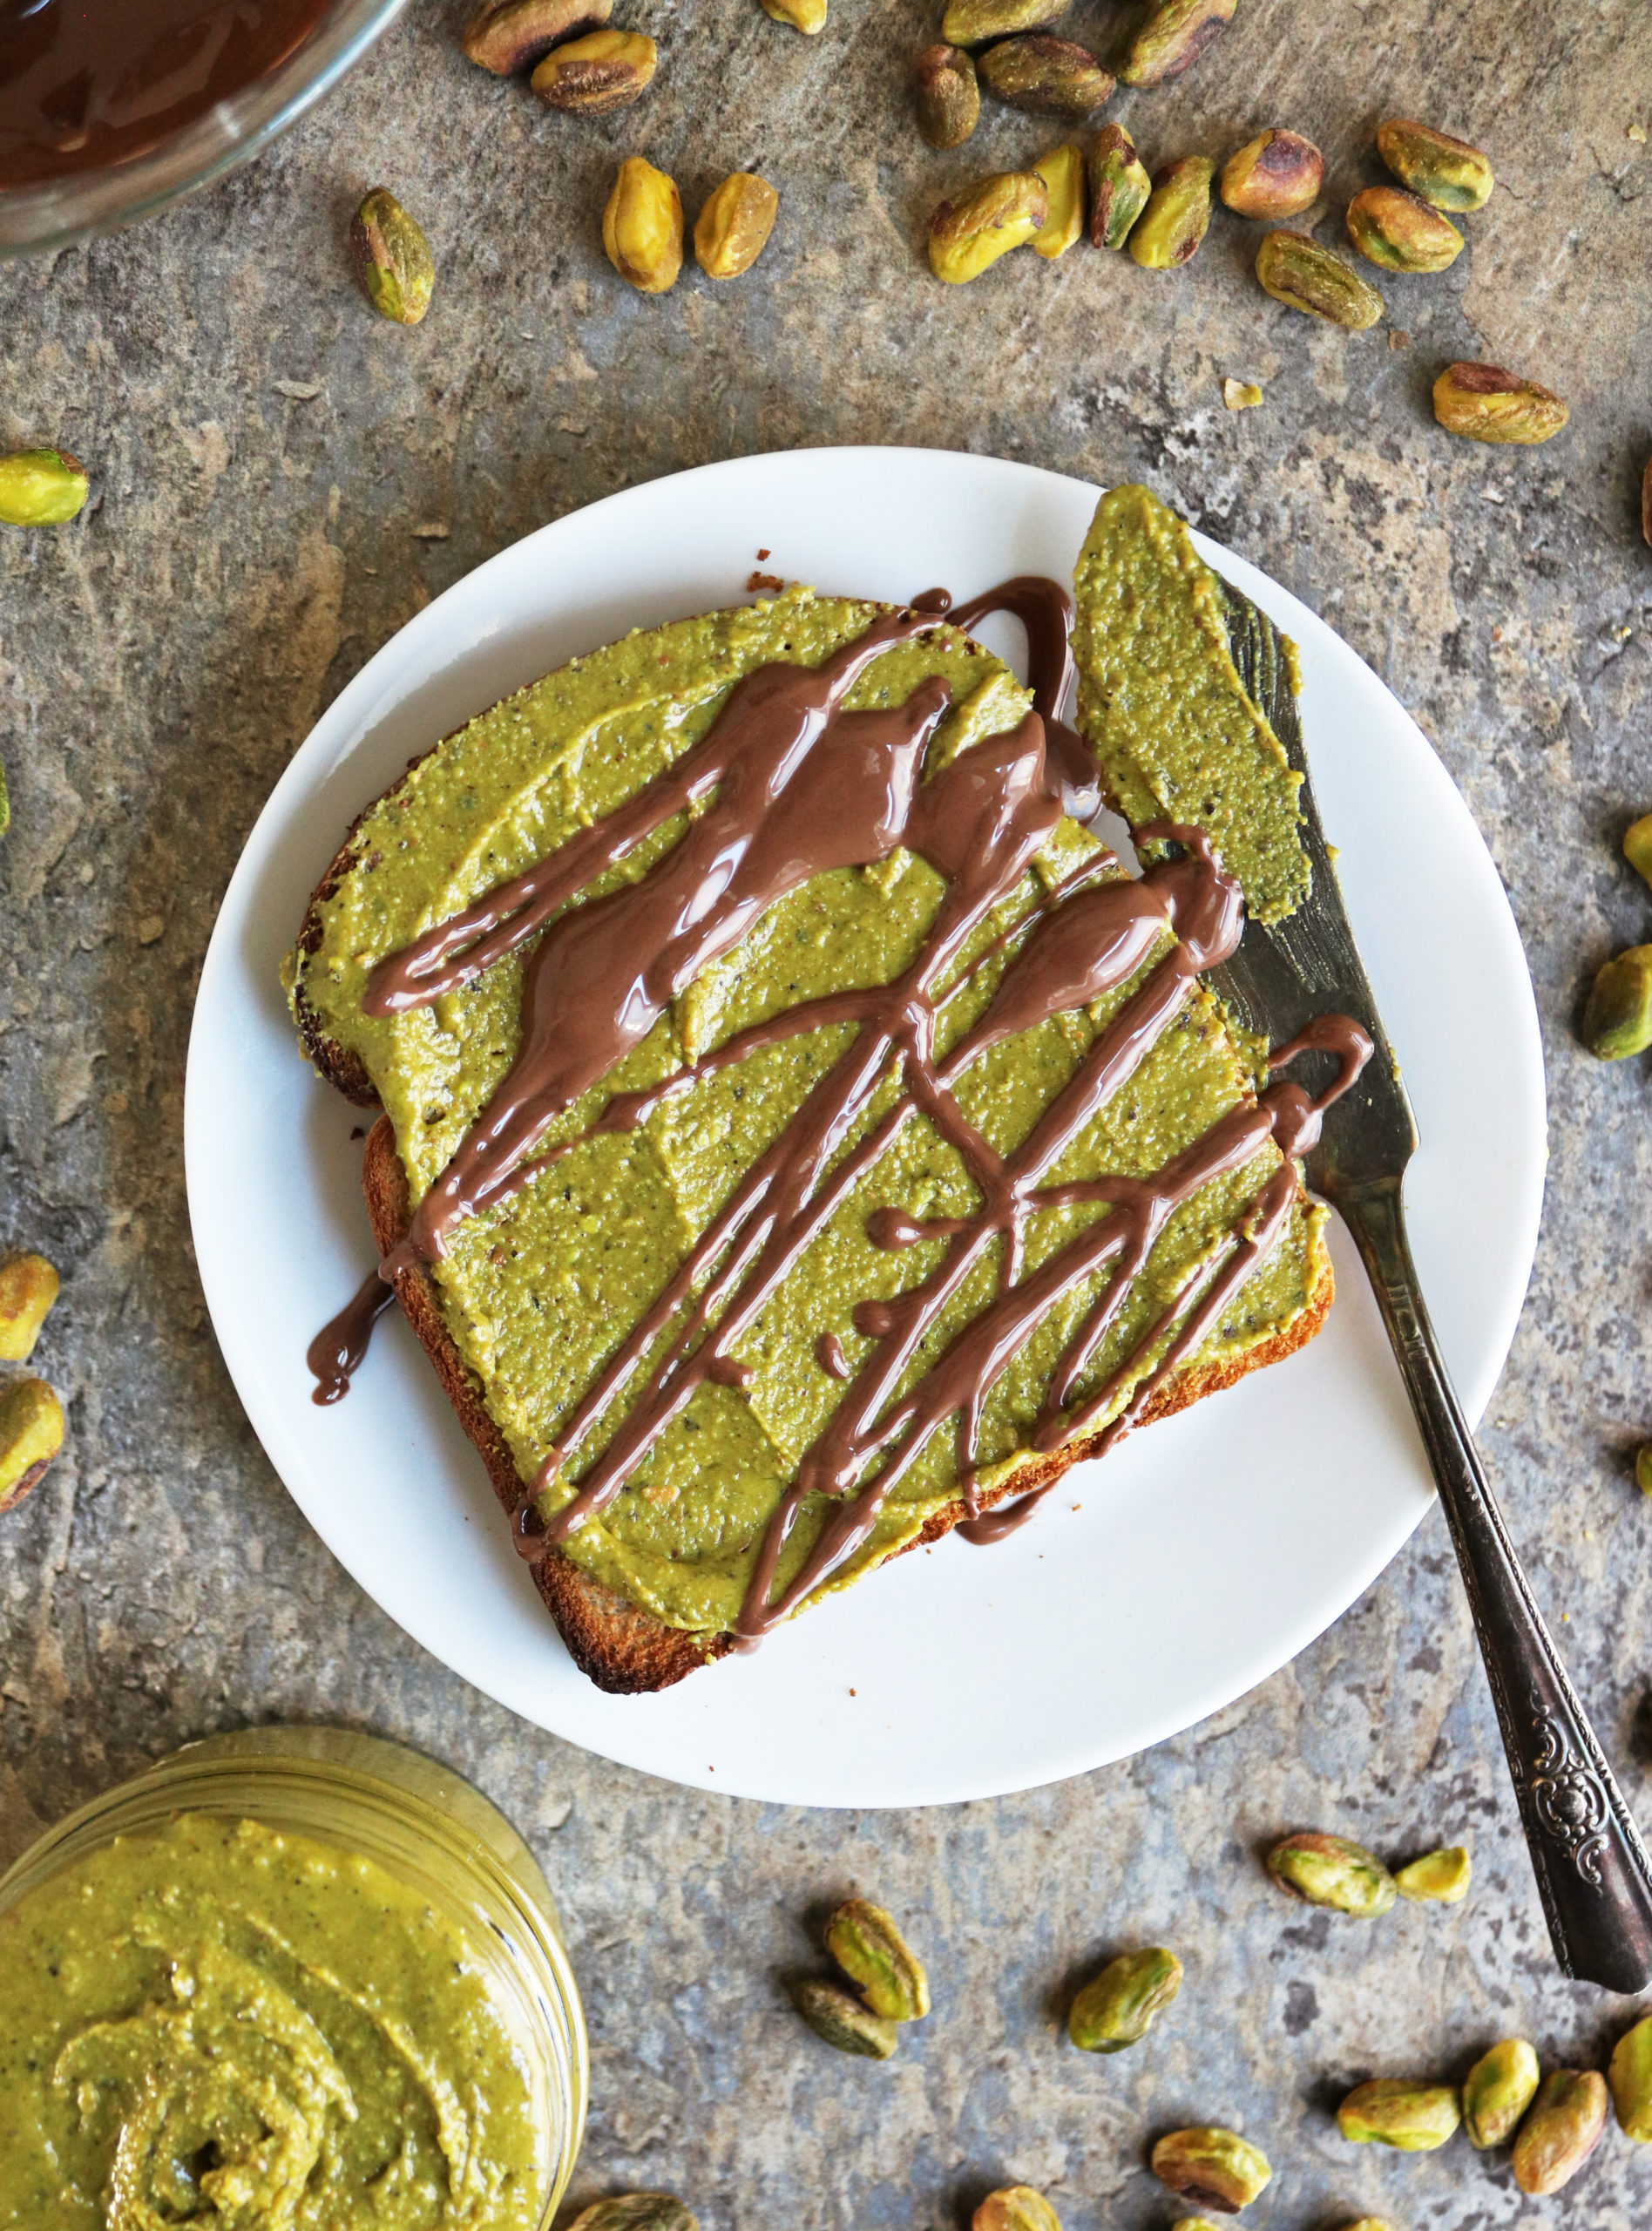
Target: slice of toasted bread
[{"x": 627, "y": 1651}]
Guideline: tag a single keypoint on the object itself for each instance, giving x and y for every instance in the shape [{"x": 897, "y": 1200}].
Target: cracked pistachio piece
[
  {"x": 393, "y": 259},
  {"x": 806, "y": 16},
  {"x": 1241, "y": 395},
  {"x": 1277, "y": 174},
  {"x": 30, "y": 1436},
  {"x": 1295, "y": 270},
  {"x": 947, "y": 95},
  {"x": 1629, "y": 2078},
  {"x": 642, "y": 226},
  {"x": 636, "y": 2212},
  {"x": 1173, "y": 39},
  {"x": 840, "y": 2019},
  {"x": 1439, "y": 1878},
  {"x": 42, "y": 488},
  {"x": 1486, "y": 404},
  {"x": 1331, "y": 1871},
  {"x": 732, "y": 231},
  {"x": 1411, "y": 2116},
  {"x": 1211, "y": 2167},
  {"x": 1563, "y": 2126},
  {"x": 1046, "y": 77},
  {"x": 1447, "y": 173},
  {"x": 1497, "y": 2092},
  {"x": 1116, "y": 2008},
  {"x": 1016, "y": 2208},
  {"x": 1399, "y": 231},
  {"x": 970, "y": 232},
  {"x": 1120, "y": 186},
  {"x": 517, "y": 34},
  {"x": 1062, "y": 171},
  {"x": 1167, "y": 232},
  {"x": 972, "y": 23},
  {"x": 28, "y": 1288},
  {"x": 604, "y": 71},
  {"x": 1637, "y": 846},
  {"x": 1617, "y": 1017},
  {"x": 871, "y": 1952}
]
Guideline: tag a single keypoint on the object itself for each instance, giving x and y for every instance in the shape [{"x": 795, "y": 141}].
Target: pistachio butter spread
[
  {"x": 806, "y": 1125},
  {"x": 1161, "y": 703},
  {"x": 219, "y": 2025}
]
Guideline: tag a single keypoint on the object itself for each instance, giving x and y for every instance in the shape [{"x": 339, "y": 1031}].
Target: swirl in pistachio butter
[{"x": 220, "y": 2026}]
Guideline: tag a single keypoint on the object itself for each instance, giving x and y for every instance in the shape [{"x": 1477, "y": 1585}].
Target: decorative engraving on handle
[{"x": 1569, "y": 1799}]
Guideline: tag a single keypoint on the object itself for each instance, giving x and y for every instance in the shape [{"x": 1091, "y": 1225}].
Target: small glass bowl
[
  {"x": 422, "y": 1824},
  {"x": 58, "y": 211}
]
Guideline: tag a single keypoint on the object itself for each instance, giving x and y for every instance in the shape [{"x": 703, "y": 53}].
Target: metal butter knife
[{"x": 1591, "y": 1865}]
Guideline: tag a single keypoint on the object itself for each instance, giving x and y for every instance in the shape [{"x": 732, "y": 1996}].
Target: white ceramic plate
[{"x": 1202, "y": 1554}]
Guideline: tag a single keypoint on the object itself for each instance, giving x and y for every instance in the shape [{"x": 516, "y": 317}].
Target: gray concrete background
[{"x": 265, "y": 456}]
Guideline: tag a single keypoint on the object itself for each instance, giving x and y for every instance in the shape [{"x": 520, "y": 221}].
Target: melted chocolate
[
  {"x": 335, "y": 1353},
  {"x": 86, "y": 84}
]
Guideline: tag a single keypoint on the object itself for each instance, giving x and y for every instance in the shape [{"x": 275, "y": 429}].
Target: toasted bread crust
[{"x": 619, "y": 1647}]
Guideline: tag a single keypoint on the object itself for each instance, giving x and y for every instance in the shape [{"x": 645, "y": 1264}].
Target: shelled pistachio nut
[
  {"x": 972, "y": 23},
  {"x": 1018, "y": 2207},
  {"x": 1295, "y": 270},
  {"x": 1241, "y": 395},
  {"x": 1062, "y": 171},
  {"x": 636, "y": 2212},
  {"x": 1116, "y": 2008},
  {"x": 1167, "y": 232},
  {"x": 947, "y": 94},
  {"x": 1330, "y": 1870},
  {"x": 28, "y": 1288},
  {"x": 1173, "y": 39},
  {"x": 1212, "y": 2167},
  {"x": 1412, "y": 2118},
  {"x": 41, "y": 488},
  {"x": 30, "y": 1436},
  {"x": 1564, "y": 2125},
  {"x": 1617, "y": 1017},
  {"x": 1045, "y": 76},
  {"x": 642, "y": 226},
  {"x": 1497, "y": 2092},
  {"x": 972, "y": 230},
  {"x": 1629, "y": 2078},
  {"x": 1120, "y": 186},
  {"x": 517, "y": 34},
  {"x": 1642, "y": 1455},
  {"x": 838, "y": 2017},
  {"x": 604, "y": 71},
  {"x": 1400, "y": 232},
  {"x": 1489, "y": 405},
  {"x": 1277, "y": 174},
  {"x": 732, "y": 231},
  {"x": 1439, "y": 1878},
  {"x": 1447, "y": 173},
  {"x": 1637, "y": 846},
  {"x": 871, "y": 1952},
  {"x": 806, "y": 16},
  {"x": 393, "y": 259}
]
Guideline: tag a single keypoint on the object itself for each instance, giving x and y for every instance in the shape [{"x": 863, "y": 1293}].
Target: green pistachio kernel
[
  {"x": 1016, "y": 2208},
  {"x": 1440, "y": 1878},
  {"x": 1497, "y": 2092},
  {"x": 1212, "y": 2167},
  {"x": 41, "y": 488},
  {"x": 1331, "y": 1871},
  {"x": 1565, "y": 2124},
  {"x": 1167, "y": 232},
  {"x": 1117, "y": 2007},
  {"x": 1643, "y": 1468},
  {"x": 1617, "y": 1020},
  {"x": 393, "y": 259},
  {"x": 1413, "y": 2118},
  {"x": 1630, "y": 2078},
  {"x": 871, "y": 1952},
  {"x": 636, "y": 2212},
  {"x": 834, "y": 2015},
  {"x": 1637, "y": 838}
]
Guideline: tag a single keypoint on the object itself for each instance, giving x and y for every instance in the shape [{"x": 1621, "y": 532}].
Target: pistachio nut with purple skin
[
  {"x": 972, "y": 230},
  {"x": 1294, "y": 268},
  {"x": 518, "y": 33},
  {"x": 1629, "y": 2080},
  {"x": 947, "y": 95},
  {"x": 974, "y": 23},
  {"x": 1447, "y": 173},
  {"x": 636, "y": 2212},
  {"x": 1497, "y": 2092},
  {"x": 595, "y": 75},
  {"x": 1399, "y": 231},
  {"x": 841, "y": 2021},
  {"x": 1046, "y": 77},
  {"x": 393, "y": 259},
  {"x": 1174, "y": 38},
  {"x": 1120, "y": 186},
  {"x": 1016, "y": 2208},
  {"x": 1411, "y": 2116},
  {"x": 1212, "y": 2167},
  {"x": 1168, "y": 232},
  {"x": 1277, "y": 174},
  {"x": 871, "y": 1952},
  {"x": 1486, "y": 404},
  {"x": 1563, "y": 2126},
  {"x": 1325, "y": 1870},
  {"x": 31, "y": 1427},
  {"x": 1617, "y": 1017},
  {"x": 1116, "y": 2008}
]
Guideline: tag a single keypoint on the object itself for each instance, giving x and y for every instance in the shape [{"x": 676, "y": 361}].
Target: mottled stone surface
[{"x": 265, "y": 457}]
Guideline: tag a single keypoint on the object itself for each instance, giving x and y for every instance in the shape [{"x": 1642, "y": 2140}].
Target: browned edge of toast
[{"x": 626, "y": 1650}]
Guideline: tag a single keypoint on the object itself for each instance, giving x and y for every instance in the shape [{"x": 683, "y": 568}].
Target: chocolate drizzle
[
  {"x": 788, "y": 785},
  {"x": 335, "y": 1354}
]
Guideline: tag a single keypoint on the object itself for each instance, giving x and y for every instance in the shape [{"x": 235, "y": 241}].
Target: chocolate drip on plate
[{"x": 336, "y": 1352}]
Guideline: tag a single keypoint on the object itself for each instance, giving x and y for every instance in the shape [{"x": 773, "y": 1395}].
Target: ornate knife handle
[{"x": 1591, "y": 1865}]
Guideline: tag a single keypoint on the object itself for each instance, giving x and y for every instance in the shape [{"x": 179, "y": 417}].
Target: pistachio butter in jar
[{"x": 294, "y": 1979}]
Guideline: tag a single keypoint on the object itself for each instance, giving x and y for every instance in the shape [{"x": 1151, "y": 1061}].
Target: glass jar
[
  {"x": 421, "y": 1824},
  {"x": 53, "y": 212}
]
